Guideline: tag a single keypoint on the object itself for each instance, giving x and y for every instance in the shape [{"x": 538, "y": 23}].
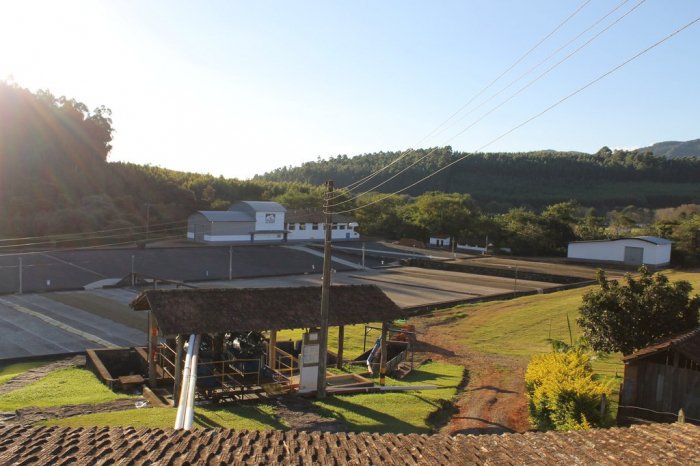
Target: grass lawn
[
  {"x": 258, "y": 417},
  {"x": 398, "y": 412},
  {"x": 61, "y": 387},
  {"x": 521, "y": 327},
  {"x": 379, "y": 412},
  {"x": 8, "y": 372},
  {"x": 352, "y": 343}
]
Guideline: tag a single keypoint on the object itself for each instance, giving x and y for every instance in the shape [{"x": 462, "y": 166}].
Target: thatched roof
[{"x": 190, "y": 311}]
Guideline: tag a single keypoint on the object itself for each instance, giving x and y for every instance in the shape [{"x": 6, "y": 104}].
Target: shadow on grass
[
  {"x": 427, "y": 347},
  {"x": 252, "y": 413},
  {"x": 384, "y": 422},
  {"x": 490, "y": 428}
]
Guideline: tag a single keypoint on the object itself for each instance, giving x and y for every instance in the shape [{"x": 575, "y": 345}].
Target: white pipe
[
  {"x": 189, "y": 409},
  {"x": 184, "y": 388}
]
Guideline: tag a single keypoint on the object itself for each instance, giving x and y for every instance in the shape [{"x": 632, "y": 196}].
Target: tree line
[{"x": 55, "y": 179}]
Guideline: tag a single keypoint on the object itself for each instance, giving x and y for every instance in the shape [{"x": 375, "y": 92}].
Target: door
[{"x": 634, "y": 256}]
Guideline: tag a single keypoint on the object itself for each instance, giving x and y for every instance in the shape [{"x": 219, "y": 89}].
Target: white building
[
  {"x": 262, "y": 221},
  {"x": 308, "y": 224},
  {"x": 245, "y": 221},
  {"x": 647, "y": 250},
  {"x": 440, "y": 241}
]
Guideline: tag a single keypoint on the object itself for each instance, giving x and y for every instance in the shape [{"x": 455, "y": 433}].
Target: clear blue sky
[{"x": 239, "y": 88}]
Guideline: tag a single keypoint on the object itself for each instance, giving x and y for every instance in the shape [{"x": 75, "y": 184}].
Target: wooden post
[
  {"x": 271, "y": 351},
  {"x": 152, "y": 343},
  {"x": 341, "y": 337},
  {"x": 382, "y": 361},
  {"x": 177, "y": 385},
  {"x": 681, "y": 416},
  {"x": 603, "y": 404},
  {"x": 325, "y": 297}
]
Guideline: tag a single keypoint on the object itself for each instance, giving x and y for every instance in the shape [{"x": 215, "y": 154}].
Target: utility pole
[
  {"x": 148, "y": 220},
  {"x": 363, "y": 257},
  {"x": 20, "y": 274},
  {"x": 230, "y": 262},
  {"x": 325, "y": 296}
]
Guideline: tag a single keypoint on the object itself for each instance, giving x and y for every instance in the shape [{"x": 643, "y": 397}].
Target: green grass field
[
  {"x": 381, "y": 412},
  {"x": 11, "y": 371},
  {"x": 521, "y": 327},
  {"x": 61, "y": 387},
  {"x": 258, "y": 417}
]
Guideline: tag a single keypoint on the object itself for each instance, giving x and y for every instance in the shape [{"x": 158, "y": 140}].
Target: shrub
[{"x": 563, "y": 394}]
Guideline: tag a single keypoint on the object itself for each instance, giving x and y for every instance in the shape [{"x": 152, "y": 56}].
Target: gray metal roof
[
  {"x": 654, "y": 239},
  {"x": 649, "y": 239},
  {"x": 226, "y": 216},
  {"x": 257, "y": 206}
]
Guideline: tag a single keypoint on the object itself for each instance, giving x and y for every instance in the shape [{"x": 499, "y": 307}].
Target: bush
[{"x": 563, "y": 394}]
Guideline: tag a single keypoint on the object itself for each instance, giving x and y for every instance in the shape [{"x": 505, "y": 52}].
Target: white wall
[
  {"x": 226, "y": 238},
  {"x": 435, "y": 241},
  {"x": 262, "y": 218},
  {"x": 614, "y": 251},
  {"x": 309, "y": 234}
]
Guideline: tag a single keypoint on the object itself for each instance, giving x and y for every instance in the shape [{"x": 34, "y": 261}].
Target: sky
[{"x": 239, "y": 88}]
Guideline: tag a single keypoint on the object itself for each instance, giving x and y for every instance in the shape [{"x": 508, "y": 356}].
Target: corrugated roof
[
  {"x": 258, "y": 206},
  {"x": 222, "y": 310},
  {"x": 226, "y": 216},
  {"x": 687, "y": 344},
  {"x": 648, "y": 239},
  {"x": 654, "y": 239},
  {"x": 655, "y": 444}
]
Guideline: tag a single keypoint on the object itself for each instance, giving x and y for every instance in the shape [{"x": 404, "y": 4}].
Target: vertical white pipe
[
  {"x": 184, "y": 390},
  {"x": 189, "y": 409}
]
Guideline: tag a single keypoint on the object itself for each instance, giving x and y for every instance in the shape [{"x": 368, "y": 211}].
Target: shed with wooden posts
[
  {"x": 176, "y": 313},
  {"x": 662, "y": 379}
]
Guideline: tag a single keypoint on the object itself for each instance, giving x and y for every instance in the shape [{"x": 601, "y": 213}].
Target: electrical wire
[
  {"x": 537, "y": 115},
  {"x": 508, "y": 99},
  {"x": 62, "y": 235},
  {"x": 365, "y": 179}
]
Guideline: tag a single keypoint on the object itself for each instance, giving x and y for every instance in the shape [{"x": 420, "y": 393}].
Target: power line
[
  {"x": 82, "y": 248},
  {"x": 67, "y": 240},
  {"x": 62, "y": 235},
  {"x": 520, "y": 125},
  {"x": 508, "y": 99},
  {"x": 362, "y": 181}
]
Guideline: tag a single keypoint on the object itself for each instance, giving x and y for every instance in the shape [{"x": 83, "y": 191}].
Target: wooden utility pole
[{"x": 325, "y": 296}]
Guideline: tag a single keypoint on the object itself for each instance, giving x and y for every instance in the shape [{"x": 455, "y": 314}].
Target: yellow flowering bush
[{"x": 563, "y": 393}]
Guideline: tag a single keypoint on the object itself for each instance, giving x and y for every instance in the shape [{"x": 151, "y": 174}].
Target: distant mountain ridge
[{"x": 675, "y": 149}]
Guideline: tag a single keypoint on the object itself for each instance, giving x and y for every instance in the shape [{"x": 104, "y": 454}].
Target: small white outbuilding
[{"x": 648, "y": 250}]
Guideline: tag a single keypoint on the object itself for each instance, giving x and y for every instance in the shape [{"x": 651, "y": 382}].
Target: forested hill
[
  {"x": 675, "y": 149},
  {"x": 55, "y": 178},
  {"x": 605, "y": 179}
]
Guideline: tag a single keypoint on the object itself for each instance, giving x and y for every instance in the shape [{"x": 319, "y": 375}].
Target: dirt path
[
  {"x": 493, "y": 400},
  {"x": 32, "y": 375}
]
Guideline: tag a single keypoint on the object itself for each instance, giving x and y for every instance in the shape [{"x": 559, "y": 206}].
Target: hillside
[
  {"x": 675, "y": 149},
  {"x": 607, "y": 179}
]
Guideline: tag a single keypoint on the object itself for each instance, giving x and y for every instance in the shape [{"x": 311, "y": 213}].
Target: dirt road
[{"x": 493, "y": 400}]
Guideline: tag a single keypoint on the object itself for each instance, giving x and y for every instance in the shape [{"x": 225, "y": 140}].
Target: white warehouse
[{"x": 648, "y": 250}]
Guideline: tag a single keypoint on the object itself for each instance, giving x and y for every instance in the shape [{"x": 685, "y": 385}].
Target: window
[
  {"x": 292, "y": 226},
  {"x": 314, "y": 226},
  {"x": 334, "y": 227},
  {"x": 302, "y": 226},
  {"x": 341, "y": 226}
]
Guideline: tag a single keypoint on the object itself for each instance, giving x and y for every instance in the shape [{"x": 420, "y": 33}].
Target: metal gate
[{"x": 634, "y": 256}]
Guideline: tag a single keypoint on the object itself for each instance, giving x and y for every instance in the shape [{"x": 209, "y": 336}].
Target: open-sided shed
[{"x": 177, "y": 312}]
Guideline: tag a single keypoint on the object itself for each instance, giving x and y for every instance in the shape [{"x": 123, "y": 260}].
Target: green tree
[
  {"x": 628, "y": 317},
  {"x": 441, "y": 213}
]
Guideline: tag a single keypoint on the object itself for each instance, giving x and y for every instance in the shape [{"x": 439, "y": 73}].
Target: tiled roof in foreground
[{"x": 667, "y": 444}]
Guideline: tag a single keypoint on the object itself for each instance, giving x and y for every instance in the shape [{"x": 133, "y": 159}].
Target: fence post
[
  {"x": 603, "y": 403},
  {"x": 681, "y": 416}
]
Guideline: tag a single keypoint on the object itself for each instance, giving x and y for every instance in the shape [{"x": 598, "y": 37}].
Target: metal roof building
[
  {"x": 245, "y": 221},
  {"x": 640, "y": 250}
]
